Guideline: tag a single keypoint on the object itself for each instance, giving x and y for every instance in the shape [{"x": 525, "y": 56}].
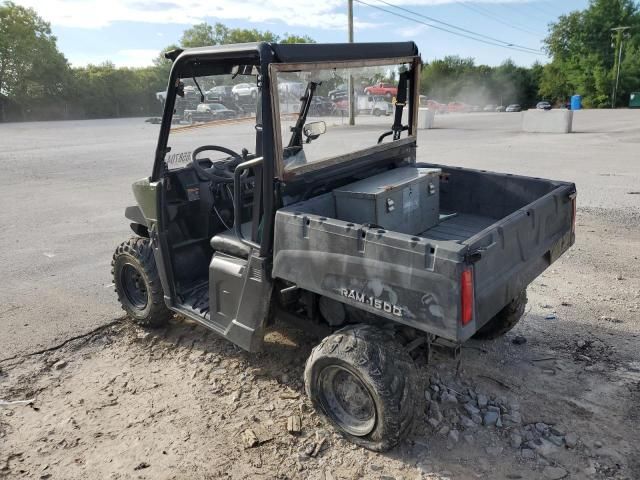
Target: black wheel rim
[
  {"x": 134, "y": 286},
  {"x": 347, "y": 400}
]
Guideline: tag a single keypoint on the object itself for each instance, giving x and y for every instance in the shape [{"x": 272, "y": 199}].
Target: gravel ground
[{"x": 121, "y": 402}]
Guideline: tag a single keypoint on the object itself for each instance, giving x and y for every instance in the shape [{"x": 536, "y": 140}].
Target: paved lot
[
  {"x": 173, "y": 403},
  {"x": 64, "y": 186}
]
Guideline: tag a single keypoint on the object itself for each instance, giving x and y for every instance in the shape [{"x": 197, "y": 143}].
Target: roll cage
[{"x": 268, "y": 58}]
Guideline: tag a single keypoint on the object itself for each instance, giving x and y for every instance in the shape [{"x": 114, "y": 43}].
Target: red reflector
[
  {"x": 466, "y": 293},
  {"x": 573, "y": 220}
]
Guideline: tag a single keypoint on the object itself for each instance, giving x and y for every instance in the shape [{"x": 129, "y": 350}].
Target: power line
[
  {"x": 503, "y": 45},
  {"x": 496, "y": 18},
  {"x": 493, "y": 39}
]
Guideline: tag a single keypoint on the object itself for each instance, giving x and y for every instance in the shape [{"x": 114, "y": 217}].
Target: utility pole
[
  {"x": 350, "y": 84},
  {"x": 617, "y": 60}
]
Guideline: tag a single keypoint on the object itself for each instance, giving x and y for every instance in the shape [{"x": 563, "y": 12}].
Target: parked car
[
  {"x": 458, "y": 107},
  {"x": 489, "y": 108},
  {"x": 437, "y": 106},
  {"x": 321, "y": 106},
  {"x": 381, "y": 88},
  {"x": 341, "y": 106},
  {"x": 476, "y": 108},
  {"x": 206, "y": 112},
  {"x": 339, "y": 91},
  {"x": 291, "y": 90},
  {"x": 219, "y": 94},
  {"x": 500, "y": 108},
  {"x": 514, "y": 107},
  {"x": 543, "y": 105},
  {"x": 244, "y": 91},
  {"x": 373, "y": 105}
]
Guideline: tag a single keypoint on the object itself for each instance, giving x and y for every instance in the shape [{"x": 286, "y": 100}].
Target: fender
[{"x": 139, "y": 225}]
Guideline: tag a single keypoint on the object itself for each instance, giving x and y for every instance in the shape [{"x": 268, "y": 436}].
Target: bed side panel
[{"x": 514, "y": 251}]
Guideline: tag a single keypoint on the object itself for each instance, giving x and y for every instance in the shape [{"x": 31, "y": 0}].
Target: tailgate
[
  {"x": 400, "y": 277},
  {"x": 511, "y": 253}
]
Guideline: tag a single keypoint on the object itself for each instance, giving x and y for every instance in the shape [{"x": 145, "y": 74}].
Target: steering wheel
[{"x": 220, "y": 171}]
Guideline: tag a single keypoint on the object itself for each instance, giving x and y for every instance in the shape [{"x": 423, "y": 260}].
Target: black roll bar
[{"x": 256, "y": 163}]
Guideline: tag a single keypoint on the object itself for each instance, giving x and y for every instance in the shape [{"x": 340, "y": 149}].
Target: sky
[{"x": 132, "y": 32}]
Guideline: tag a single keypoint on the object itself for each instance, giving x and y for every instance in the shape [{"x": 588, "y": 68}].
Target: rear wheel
[
  {"x": 376, "y": 112},
  {"x": 366, "y": 385},
  {"x": 137, "y": 283},
  {"x": 504, "y": 320}
]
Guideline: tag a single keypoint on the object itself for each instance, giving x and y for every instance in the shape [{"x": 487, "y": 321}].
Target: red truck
[
  {"x": 381, "y": 88},
  {"x": 458, "y": 107}
]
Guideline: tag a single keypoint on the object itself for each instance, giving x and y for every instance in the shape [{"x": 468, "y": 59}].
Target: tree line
[
  {"x": 584, "y": 50},
  {"x": 37, "y": 82}
]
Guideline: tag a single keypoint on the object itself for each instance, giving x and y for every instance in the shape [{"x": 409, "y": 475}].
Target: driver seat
[{"x": 227, "y": 242}]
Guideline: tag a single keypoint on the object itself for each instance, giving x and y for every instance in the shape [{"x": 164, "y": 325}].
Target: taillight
[
  {"x": 573, "y": 213},
  {"x": 466, "y": 295}
]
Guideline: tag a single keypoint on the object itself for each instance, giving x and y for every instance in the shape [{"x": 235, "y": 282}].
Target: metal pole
[
  {"x": 615, "y": 90},
  {"x": 617, "y": 60},
  {"x": 350, "y": 21},
  {"x": 350, "y": 84}
]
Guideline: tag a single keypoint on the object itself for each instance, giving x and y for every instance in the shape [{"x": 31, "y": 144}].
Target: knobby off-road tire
[
  {"x": 504, "y": 320},
  {"x": 366, "y": 385},
  {"x": 137, "y": 283}
]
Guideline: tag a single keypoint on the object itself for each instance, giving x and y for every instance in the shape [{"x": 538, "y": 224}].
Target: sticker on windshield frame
[{"x": 178, "y": 160}]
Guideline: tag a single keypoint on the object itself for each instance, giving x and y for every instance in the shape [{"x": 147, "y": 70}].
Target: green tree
[
  {"x": 584, "y": 53},
  {"x": 37, "y": 82},
  {"x": 460, "y": 79},
  {"x": 32, "y": 70},
  {"x": 204, "y": 34},
  {"x": 292, "y": 38}
]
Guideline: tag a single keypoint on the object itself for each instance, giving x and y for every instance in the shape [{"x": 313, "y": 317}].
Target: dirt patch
[{"x": 122, "y": 402}]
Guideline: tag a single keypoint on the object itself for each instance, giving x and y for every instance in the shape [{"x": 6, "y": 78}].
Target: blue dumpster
[{"x": 576, "y": 102}]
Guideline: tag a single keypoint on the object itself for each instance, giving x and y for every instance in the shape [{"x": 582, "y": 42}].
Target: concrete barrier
[
  {"x": 425, "y": 118},
  {"x": 547, "y": 121}
]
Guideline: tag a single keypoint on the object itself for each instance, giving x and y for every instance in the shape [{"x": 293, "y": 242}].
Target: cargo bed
[
  {"x": 505, "y": 228},
  {"x": 457, "y": 227}
]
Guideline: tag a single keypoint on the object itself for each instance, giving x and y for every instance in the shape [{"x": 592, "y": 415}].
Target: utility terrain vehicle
[{"x": 291, "y": 214}]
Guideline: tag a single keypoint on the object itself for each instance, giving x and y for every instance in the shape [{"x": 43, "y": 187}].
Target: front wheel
[
  {"x": 377, "y": 112},
  {"x": 366, "y": 385},
  {"x": 137, "y": 283},
  {"x": 504, "y": 320}
]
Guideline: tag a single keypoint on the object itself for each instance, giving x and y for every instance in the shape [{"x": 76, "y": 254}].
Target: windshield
[
  {"x": 227, "y": 121},
  {"x": 373, "y": 110}
]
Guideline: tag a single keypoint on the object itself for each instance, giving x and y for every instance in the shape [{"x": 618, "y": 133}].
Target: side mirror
[{"x": 313, "y": 130}]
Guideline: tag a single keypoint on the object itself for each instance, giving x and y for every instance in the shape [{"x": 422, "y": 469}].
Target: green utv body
[{"x": 288, "y": 210}]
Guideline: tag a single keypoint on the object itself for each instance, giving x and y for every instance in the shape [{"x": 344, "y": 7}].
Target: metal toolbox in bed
[{"x": 404, "y": 200}]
